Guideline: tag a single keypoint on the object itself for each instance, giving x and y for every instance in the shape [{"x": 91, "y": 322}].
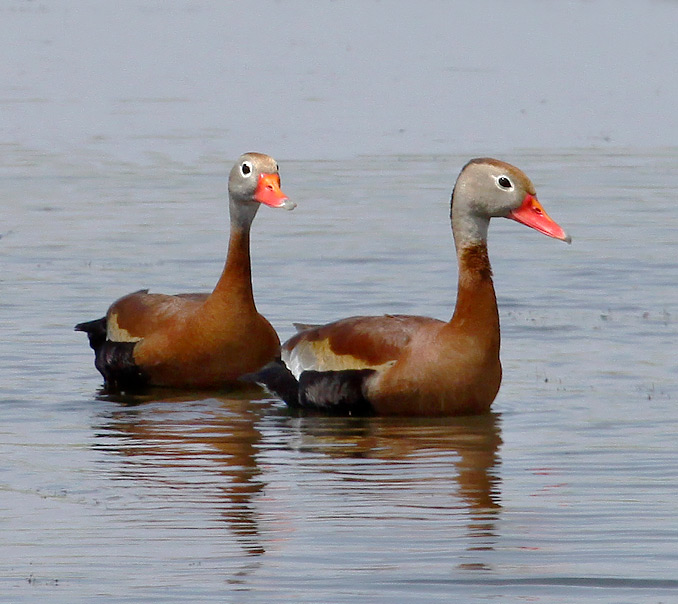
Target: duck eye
[
  {"x": 246, "y": 168},
  {"x": 504, "y": 182}
]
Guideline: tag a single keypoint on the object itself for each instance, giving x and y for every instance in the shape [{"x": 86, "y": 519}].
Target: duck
[
  {"x": 404, "y": 365},
  {"x": 196, "y": 340}
]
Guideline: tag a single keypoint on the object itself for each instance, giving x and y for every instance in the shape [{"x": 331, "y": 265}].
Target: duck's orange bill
[
  {"x": 532, "y": 214},
  {"x": 269, "y": 193}
]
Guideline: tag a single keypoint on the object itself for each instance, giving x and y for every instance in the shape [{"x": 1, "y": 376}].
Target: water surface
[
  {"x": 119, "y": 126},
  {"x": 567, "y": 490}
]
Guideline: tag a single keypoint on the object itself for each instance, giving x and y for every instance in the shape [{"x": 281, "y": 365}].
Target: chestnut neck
[
  {"x": 476, "y": 311},
  {"x": 235, "y": 283}
]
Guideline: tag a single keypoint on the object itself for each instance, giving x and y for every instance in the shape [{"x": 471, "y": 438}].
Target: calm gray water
[{"x": 119, "y": 123}]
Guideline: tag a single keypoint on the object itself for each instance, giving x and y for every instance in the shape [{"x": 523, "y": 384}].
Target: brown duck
[
  {"x": 196, "y": 340},
  {"x": 409, "y": 365}
]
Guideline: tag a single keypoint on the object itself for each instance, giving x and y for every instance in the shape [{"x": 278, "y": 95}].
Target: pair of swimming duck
[{"x": 387, "y": 365}]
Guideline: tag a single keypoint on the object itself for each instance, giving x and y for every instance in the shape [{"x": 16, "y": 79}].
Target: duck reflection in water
[
  {"x": 210, "y": 451},
  {"x": 446, "y": 465},
  {"x": 202, "y": 451}
]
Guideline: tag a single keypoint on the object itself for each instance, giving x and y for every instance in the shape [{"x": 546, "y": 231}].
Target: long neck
[
  {"x": 235, "y": 283},
  {"x": 476, "y": 310}
]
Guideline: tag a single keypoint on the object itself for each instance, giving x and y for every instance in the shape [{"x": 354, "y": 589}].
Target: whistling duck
[
  {"x": 409, "y": 365},
  {"x": 196, "y": 340}
]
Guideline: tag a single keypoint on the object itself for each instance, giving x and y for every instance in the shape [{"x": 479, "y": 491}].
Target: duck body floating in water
[
  {"x": 410, "y": 365},
  {"x": 196, "y": 340}
]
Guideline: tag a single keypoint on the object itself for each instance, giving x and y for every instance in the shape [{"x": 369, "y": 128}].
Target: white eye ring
[
  {"x": 504, "y": 182},
  {"x": 246, "y": 169}
]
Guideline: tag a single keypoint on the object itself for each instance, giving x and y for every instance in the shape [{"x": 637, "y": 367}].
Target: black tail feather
[
  {"x": 278, "y": 380},
  {"x": 95, "y": 330}
]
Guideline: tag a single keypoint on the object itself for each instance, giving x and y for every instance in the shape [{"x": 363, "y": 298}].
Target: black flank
[
  {"x": 337, "y": 392},
  {"x": 114, "y": 360}
]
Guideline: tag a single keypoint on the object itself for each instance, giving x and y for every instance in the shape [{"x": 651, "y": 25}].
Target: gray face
[
  {"x": 489, "y": 188},
  {"x": 244, "y": 177}
]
